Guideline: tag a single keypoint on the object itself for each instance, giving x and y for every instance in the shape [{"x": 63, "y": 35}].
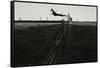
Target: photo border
[{"x": 12, "y": 28}]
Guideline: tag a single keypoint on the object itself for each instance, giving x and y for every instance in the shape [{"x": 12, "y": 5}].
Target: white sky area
[{"x": 33, "y": 11}]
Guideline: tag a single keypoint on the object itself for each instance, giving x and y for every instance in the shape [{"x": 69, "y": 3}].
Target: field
[{"x": 33, "y": 43}]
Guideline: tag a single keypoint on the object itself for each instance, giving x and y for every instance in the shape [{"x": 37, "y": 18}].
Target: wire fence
[{"x": 52, "y": 49}]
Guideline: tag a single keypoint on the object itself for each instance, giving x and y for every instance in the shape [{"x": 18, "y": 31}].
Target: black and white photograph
[{"x": 52, "y": 33}]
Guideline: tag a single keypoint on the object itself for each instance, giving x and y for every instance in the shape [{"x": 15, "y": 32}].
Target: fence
[{"x": 53, "y": 47}]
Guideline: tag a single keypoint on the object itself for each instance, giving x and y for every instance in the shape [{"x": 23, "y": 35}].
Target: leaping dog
[{"x": 56, "y": 14}]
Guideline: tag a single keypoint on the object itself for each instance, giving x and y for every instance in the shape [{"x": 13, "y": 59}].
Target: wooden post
[
  {"x": 65, "y": 26},
  {"x": 47, "y": 18},
  {"x": 63, "y": 38},
  {"x": 19, "y": 18},
  {"x": 40, "y": 18}
]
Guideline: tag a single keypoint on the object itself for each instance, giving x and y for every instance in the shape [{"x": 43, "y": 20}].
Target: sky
[{"x": 35, "y": 11}]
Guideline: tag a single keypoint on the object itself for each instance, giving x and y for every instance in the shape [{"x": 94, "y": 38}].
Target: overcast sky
[{"x": 33, "y": 11}]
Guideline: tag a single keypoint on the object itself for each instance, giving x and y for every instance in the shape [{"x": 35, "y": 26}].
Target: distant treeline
[
  {"x": 52, "y": 21},
  {"x": 40, "y": 21}
]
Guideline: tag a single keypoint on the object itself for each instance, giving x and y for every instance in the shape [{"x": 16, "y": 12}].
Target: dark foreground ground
[{"x": 34, "y": 43}]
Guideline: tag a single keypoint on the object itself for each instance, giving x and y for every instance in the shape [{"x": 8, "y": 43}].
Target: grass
[{"x": 79, "y": 45}]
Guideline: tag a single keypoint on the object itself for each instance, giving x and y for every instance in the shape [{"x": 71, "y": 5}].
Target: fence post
[{"x": 65, "y": 31}]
